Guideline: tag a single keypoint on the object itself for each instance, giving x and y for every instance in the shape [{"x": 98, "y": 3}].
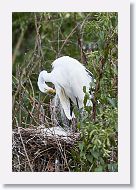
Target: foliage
[
  {"x": 98, "y": 144},
  {"x": 92, "y": 38}
]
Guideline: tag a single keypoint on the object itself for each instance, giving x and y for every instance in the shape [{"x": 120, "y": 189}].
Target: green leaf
[
  {"x": 95, "y": 154},
  {"x": 99, "y": 169},
  {"x": 102, "y": 161},
  {"x": 92, "y": 132},
  {"x": 81, "y": 146},
  {"x": 89, "y": 158},
  {"x": 89, "y": 146},
  {"x": 112, "y": 101},
  {"x": 113, "y": 167},
  {"x": 78, "y": 126},
  {"x": 84, "y": 89},
  {"x": 108, "y": 142}
]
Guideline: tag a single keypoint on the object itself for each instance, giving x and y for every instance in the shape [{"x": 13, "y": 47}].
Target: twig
[
  {"x": 38, "y": 37},
  {"x": 97, "y": 88},
  {"x": 18, "y": 44},
  {"x": 70, "y": 34},
  {"x": 38, "y": 145},
  {"x": 24, "y": 146},
  {"x": 80, "y": 38}
]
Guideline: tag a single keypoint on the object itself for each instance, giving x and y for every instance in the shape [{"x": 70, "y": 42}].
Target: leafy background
[{"x": 91, "y": 38}]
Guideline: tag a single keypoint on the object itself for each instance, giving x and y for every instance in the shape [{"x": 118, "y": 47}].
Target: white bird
[{"x": 69, "y": 77}]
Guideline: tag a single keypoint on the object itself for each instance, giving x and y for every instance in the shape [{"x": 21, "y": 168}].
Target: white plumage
[{"x": 69, "y": 77}]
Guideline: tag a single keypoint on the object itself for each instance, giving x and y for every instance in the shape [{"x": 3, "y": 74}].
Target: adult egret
[{"x": 69, "y": 77}]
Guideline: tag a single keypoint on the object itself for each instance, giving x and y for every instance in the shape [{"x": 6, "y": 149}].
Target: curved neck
[{"x": 48, "y": 77}]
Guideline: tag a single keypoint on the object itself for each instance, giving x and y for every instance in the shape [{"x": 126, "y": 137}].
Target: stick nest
[{"x": 35, "y": 150}]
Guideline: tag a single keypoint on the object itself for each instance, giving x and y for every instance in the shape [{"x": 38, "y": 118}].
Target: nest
[{"x": 42, "y": 149}]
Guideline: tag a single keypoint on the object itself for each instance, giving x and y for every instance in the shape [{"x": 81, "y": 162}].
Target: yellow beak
[{"x": 51, "y": 91}]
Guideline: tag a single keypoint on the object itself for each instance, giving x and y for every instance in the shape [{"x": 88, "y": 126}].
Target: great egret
[{"x": 69, "y": 77}]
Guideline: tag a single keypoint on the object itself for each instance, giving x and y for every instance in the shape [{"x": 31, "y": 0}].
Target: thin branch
[
  {"x": 70, "y": 34},
  {"x": 24, "y": 147},
  {"x": 97, "y": 88},
  {"x": 18, "y": 44}
]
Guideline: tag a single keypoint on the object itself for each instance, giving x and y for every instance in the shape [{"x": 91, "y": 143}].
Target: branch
[
  {"x": 17, "y": 47},
  {"x": 97, "y": 88}
]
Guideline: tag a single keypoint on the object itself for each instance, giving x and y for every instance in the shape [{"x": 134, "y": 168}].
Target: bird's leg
[
  {"x": 80, "y": 111},
  {"x": 71, "y": 107},
  {"x": 73, "y": 121},
  {"x": 77, "y": 103}
]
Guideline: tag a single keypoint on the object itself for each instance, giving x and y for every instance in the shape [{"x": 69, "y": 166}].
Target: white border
[{"x": 6, "y": 174}]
